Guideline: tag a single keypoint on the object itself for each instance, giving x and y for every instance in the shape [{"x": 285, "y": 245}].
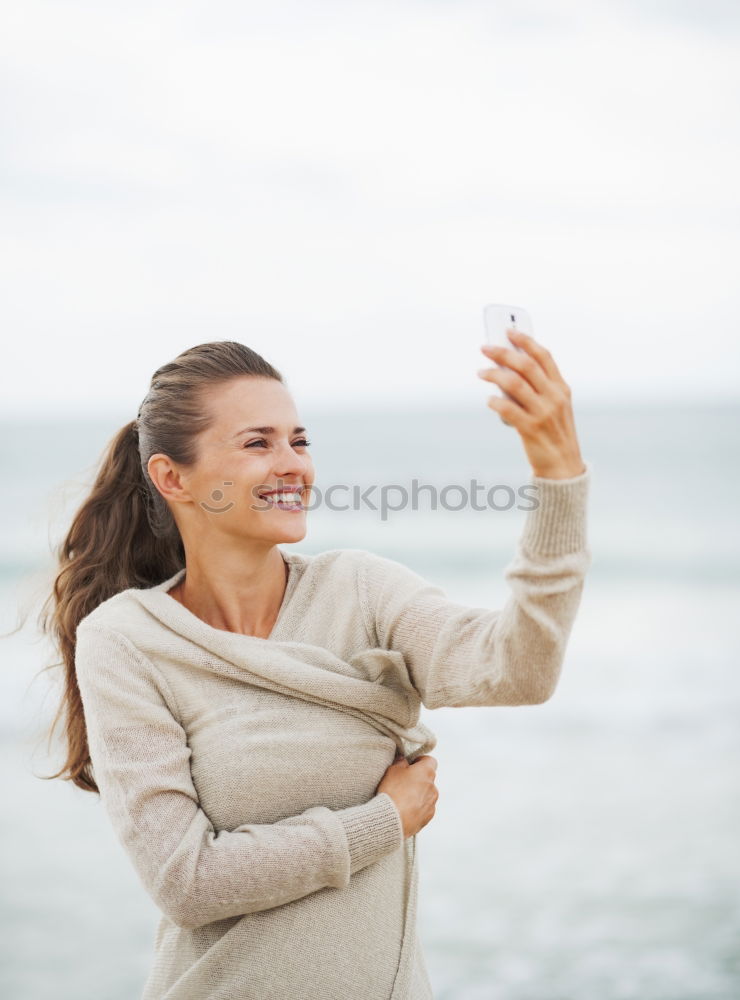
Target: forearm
[{"x": 212, "y": 876}]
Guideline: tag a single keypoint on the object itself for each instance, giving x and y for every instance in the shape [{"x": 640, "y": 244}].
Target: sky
[{"x": 343, "y": 186}]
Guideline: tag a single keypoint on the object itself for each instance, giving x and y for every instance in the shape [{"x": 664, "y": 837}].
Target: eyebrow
[{"x": 266, "y": 430}]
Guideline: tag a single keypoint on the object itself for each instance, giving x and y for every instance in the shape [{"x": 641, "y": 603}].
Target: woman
[{"x": 249, "y": 716}]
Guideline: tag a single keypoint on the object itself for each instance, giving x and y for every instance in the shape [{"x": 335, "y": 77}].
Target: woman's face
[{"x": 255, "y": 445}]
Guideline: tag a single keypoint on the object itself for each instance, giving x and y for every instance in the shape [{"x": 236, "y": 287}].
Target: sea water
[{"x": 586, "y": 847}]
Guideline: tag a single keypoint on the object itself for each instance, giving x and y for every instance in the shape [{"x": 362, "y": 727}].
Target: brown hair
[{"x": 123, "y": 534}]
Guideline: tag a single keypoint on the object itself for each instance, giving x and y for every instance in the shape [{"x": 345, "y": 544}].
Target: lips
[{"x": 287, "y": 489}]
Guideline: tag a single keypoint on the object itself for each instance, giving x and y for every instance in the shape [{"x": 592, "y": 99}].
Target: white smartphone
[{"x": 498, "y": 317}]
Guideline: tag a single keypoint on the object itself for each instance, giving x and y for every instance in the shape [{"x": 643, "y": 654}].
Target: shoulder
[
  {"x": 374, "y": 578},
  {"x": 121, "y": 613},
  {"x": 120, "y": 629},
  {"x": 339, "y": 575},
  {"x": 333, "y": 567},
  {"x": 352, "y": 562},
  {"x": 344, "y": 563}
]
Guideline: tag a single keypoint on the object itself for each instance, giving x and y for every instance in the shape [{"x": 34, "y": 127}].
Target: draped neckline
[{"x": 173, "y": 611}]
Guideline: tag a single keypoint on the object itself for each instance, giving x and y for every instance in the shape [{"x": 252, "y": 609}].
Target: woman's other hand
[
  {"x": 540, "y": 408},
  {"x": 412, "y": 788}
]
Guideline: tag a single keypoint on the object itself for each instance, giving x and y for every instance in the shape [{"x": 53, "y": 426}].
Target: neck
[{"x": 248, "y": 604}]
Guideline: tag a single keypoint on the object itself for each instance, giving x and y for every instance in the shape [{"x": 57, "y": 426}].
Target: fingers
[
  {"x": 524, "y": 364},
  {"x": 538, "y": 352},
  {"x": 515, "y": 385},
  {"x": 530, "y": 377},
  {"x": 511, "y": 413},
  {"x": 518, "y": 387}
]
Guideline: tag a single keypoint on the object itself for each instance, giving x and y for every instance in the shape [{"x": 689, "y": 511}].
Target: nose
[{"x": 291, "y": 464}]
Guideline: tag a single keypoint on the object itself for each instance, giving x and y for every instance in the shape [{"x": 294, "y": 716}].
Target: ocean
[{"x": 586, "y": 847}]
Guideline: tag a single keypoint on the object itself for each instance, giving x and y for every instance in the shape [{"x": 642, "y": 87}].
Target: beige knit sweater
[{"x": 240, "y": 773}]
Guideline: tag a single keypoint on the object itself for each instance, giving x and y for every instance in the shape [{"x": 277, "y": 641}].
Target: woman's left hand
[{"x": 540, "y": 410}]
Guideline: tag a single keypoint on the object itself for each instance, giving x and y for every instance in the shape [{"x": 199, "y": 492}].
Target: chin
[{"x": 294, "y": 535}]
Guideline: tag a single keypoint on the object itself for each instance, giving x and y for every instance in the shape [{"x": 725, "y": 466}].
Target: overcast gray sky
[{"x": 344, "y": 185}]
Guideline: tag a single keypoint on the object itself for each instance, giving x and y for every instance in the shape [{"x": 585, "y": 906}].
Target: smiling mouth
[{"x": 290, "y": 500}]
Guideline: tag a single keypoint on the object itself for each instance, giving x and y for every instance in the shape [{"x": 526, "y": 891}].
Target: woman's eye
[{"x": 303, "y": 442}]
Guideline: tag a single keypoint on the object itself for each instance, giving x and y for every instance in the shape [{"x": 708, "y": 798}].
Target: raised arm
[
  {"x": 194, "y": 874},
  {"x": 464, "y": 656}
]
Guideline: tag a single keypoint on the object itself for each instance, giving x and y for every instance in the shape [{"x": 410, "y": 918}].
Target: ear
[{"x": 169, "y": 479}]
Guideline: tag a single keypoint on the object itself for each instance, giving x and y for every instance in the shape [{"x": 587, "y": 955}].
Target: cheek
[{"x": 228, "y": 484}]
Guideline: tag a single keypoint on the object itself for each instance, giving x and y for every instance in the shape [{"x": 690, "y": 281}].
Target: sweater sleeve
[
  {"x": 193, "y": 873},
  {"x": 474, "y": 656}
]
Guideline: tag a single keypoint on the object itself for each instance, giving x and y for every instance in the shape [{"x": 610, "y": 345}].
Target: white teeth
[{"x": 284, "y": 497}]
